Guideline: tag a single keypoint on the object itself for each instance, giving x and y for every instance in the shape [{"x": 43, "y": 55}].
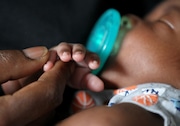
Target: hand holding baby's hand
[{"x": 84, "y": 62}]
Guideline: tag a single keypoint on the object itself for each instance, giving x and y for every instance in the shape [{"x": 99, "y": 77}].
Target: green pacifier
[{"x": 103, "y": 36}]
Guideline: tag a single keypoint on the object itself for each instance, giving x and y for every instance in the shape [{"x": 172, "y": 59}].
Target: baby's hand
[
  {"x": 85, "y": 62},
  {"x": 67, "y": 52}
]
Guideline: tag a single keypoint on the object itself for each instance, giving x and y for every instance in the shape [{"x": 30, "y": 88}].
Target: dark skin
[
  {"x": 150, "y": 52},
  {"x": 17, "y": 67},
  {"x": 30, "y": 90},
  {"x": 119, "y": 115}
]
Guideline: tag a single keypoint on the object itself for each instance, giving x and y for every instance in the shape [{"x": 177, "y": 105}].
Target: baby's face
[{"x": 150, "y": 50}]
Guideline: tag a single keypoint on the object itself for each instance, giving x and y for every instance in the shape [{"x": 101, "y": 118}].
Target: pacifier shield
[{"x": 103, "y": 36}]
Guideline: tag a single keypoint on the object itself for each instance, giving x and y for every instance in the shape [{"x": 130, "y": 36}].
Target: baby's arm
[{"x": 85, "y": 62}]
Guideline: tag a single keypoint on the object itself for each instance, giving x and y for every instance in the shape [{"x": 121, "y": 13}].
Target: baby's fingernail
[
  {"x": 35, "y": 52},
  {"x": 65, "y": 54},
  {"x": 48, "y": 66},
  {"x": 79, "y": 52},
  {"x": 94, "y": 64}
]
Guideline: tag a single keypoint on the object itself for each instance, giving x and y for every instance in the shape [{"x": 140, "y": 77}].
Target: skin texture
[
  {"x": 85, "y": 61},
  {"x": 28, "y": 61},
  {"x": 150, "y": 52},
  {"x": 14, "y": 61},
  {"x": 119, "y": 115},
  {"x": 30, "y": 90}
]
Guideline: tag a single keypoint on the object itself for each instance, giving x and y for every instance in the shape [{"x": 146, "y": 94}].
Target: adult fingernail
[{"x": 35, "y": 52}]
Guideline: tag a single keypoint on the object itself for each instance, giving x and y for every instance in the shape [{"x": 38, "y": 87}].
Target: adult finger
[
  {"x": 37, "y": 98},
  {"x": 16, "y": 64}
]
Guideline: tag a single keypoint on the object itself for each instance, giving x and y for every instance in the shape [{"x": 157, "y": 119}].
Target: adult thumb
[{"x": 16, "y": 64}]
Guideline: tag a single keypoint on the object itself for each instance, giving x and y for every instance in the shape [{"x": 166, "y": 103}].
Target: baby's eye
[
  {"x": 162, "y": 26},
  {"x": 167, "y": 22}
]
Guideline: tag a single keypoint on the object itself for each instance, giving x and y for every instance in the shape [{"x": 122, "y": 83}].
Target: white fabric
[{"x": 157, "y": 98}]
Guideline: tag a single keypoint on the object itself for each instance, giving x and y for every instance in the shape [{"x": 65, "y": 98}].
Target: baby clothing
[{"x": 158, "y": 98}]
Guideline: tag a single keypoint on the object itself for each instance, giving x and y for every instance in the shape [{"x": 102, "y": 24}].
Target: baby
[{"x": 146, "y": 69}]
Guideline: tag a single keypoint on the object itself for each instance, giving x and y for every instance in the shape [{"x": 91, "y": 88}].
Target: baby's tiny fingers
[
  {"x": 64, "y": 51},
  {"x": 50, "y": 63},
  {"x": 79, "y": 52},
  {"x": 92, "y": 60}
]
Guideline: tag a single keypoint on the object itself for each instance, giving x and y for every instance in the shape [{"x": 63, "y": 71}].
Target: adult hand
[
  {"x": 17, "y": 66},
  {"x": 37, "y": 98}
]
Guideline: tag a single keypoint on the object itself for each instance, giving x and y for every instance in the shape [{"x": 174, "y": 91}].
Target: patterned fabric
[{"x": 158, "y": 98}]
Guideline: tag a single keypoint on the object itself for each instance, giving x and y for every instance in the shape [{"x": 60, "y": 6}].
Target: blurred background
[
  {"x": 30, "y": 23},
  {"x": 25, "y": 23}
]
